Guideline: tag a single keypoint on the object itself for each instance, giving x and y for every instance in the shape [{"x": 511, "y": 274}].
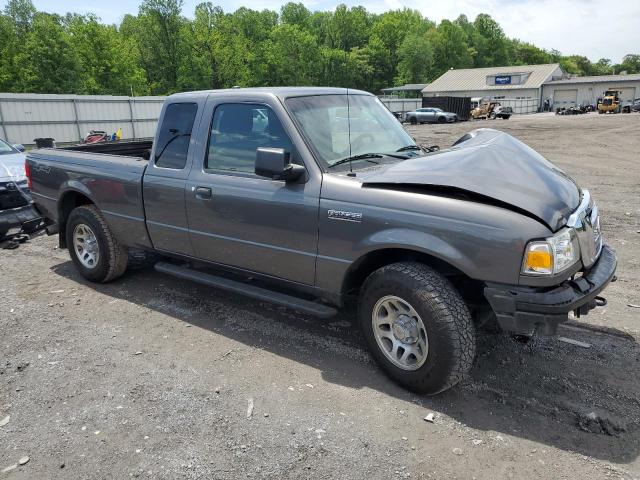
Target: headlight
[{"x": 552, "y": 255}]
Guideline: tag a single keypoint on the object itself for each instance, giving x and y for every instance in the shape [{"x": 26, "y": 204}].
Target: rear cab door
[
  {"x": 242, "y": 220},
  {"x": 165, "y": 178}
]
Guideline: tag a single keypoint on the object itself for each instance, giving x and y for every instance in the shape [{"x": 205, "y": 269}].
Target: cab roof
[{"x": 281, "y": 92}]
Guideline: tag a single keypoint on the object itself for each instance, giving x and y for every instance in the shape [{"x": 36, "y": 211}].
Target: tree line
[{"x": 160, "y": 51}]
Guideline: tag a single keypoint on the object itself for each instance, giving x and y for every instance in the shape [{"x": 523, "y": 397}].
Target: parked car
[
  {"x": 430, "y": 245},
  {"x": 430, "y": 115},
  {"x": 16, "y": 207},
  {"x": 501, "y": 112},
  {"x": 632, "y": 107}
]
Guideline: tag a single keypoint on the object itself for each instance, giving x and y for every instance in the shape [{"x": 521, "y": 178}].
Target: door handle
[{"x": 203, "y": 193}]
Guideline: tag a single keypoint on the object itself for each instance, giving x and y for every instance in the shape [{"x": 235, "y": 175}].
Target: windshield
[
  {"x": 341, "y": 126},
  {"x": 5, "y": 148}
]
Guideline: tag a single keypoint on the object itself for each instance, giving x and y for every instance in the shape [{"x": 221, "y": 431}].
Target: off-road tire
[
  {"x": 446, "y": 318},
  {"x": 112, "y": 260}
]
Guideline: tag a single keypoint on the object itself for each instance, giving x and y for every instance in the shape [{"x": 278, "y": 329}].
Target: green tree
[
  {"x": 630, "y": 64},
  {"x": 602, "y": 67},
  {"x": 205, "y": 24},
  {"x": 109, "y": 63},
  {"x": 415, "y": 59},
  {"x": 158, "y": 34},
  {"x": 523, "y": 53},
  {"x": 21, "y": 12},
  {"x": 292, "y": 57},
  {"x": 450, "y": 48},
  {"x": 47, "y": 63},
  {"x": 489, "y": 42},
  {"x": 160, "y": 51},
  {"x": 295, "y": 14}
]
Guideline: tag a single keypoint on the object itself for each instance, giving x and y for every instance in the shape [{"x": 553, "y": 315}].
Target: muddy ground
[{"x": 152, "y": 377}]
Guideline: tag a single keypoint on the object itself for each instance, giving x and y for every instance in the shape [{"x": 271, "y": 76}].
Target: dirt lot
[{"x": 152, "y": 377}]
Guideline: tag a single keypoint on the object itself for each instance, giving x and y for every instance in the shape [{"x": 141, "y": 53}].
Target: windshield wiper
[
  {"x": 363, "y": 156},
  {"x": 409, "y": 147}
]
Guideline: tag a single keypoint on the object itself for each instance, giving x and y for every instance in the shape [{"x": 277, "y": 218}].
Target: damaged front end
[{"x": 18, "y": 217}]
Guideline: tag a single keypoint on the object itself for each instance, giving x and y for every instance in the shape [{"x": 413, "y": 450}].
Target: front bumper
[
  {"x": 20, "y": 220},
  {"x": 17, "y": 212},
  {"x": 523, "y": 310}
]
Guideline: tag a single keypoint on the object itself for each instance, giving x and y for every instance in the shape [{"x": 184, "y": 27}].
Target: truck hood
[
  {"x": 12, "y": 167},
  {"x": 489, "y": 166}
]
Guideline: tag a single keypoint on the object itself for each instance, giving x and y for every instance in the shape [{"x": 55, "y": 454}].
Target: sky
[{"x": 593, "y": 28}]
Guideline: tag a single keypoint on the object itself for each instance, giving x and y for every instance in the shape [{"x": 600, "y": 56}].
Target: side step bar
[{"x": 258, "y": 293}]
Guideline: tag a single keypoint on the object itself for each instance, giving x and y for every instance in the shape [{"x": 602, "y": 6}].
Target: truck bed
[{"x": 112, "y": 181}]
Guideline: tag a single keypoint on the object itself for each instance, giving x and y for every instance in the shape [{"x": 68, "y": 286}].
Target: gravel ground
[{"x": 152, "y": 377}]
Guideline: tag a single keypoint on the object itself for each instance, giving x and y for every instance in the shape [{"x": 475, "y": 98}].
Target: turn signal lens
[
  {"x": 553, "y": 255},
  {"x": 538, "y": 258}
]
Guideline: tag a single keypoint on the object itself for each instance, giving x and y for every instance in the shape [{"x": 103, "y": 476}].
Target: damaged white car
[{"x": 17, "y": 215}]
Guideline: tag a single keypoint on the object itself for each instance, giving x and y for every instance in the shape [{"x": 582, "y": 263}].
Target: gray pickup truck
[{"x": 317, "y": 197}]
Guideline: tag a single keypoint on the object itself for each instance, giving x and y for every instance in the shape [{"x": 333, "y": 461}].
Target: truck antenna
[{"x": 349, "y": 131}]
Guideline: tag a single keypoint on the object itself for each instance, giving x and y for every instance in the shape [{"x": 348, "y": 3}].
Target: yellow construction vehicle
[
  {"x": 483, "y": 110},
  {"x": 611, "y": 102}
]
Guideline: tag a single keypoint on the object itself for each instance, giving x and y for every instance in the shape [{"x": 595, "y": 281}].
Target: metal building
[
  {"x": 587, "y": 90},
  {"x": 519, "y": 87},
  {"x": 67, "y": 118}
]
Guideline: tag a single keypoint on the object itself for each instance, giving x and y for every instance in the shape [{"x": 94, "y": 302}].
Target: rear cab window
[{"x": 174, "y": 135}]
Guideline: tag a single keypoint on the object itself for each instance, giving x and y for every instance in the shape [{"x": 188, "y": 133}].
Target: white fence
[
  {"x": 401, "y": 105},
  {"x": 67, "y": 118},
  {"x": 520, "y": 105}
]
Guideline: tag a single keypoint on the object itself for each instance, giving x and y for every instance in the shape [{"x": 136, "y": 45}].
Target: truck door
[
  {"x": 165, "y": 179},
  {"x": 239, "y": 219}
]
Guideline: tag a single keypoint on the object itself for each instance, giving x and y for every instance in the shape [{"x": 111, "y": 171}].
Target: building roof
[
  {"x": 466, "y": 79},
  {"x": 597, "y": 78},
  {"x": 409, "y": 87}
]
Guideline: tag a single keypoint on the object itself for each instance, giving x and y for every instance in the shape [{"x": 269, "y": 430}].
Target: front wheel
[
  {"x": 94, "y": 250},
  {"x": 417, "y": 327},
  {"x": 413, "y": 121}
]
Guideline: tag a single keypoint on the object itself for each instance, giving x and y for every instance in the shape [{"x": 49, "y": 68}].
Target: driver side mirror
[
  {"x": 19, "y": 147},
  {"x": 275, "y": 163}
]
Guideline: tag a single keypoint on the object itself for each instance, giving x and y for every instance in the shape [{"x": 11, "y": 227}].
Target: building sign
[{"x": 503, "y": 80}]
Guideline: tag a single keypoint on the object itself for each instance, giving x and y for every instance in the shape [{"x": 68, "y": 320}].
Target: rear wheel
[
  {"x": 417, "y": 327},
  {"x": 94, "y": 250}
]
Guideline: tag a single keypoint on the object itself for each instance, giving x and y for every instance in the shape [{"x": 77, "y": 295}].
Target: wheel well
[
  {"x": 471, "y": 290},
  {"x": 68, "y": 202}
]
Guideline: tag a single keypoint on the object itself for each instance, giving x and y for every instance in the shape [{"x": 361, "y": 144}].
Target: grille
[
  {"x": 586, "y": 223},
  {"x": 11, "y": 196}
]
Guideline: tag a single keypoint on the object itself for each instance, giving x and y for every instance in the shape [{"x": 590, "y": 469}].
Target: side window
[
  {"x": 175, "y": 134},
  {"x": 237, "y": 131}
]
